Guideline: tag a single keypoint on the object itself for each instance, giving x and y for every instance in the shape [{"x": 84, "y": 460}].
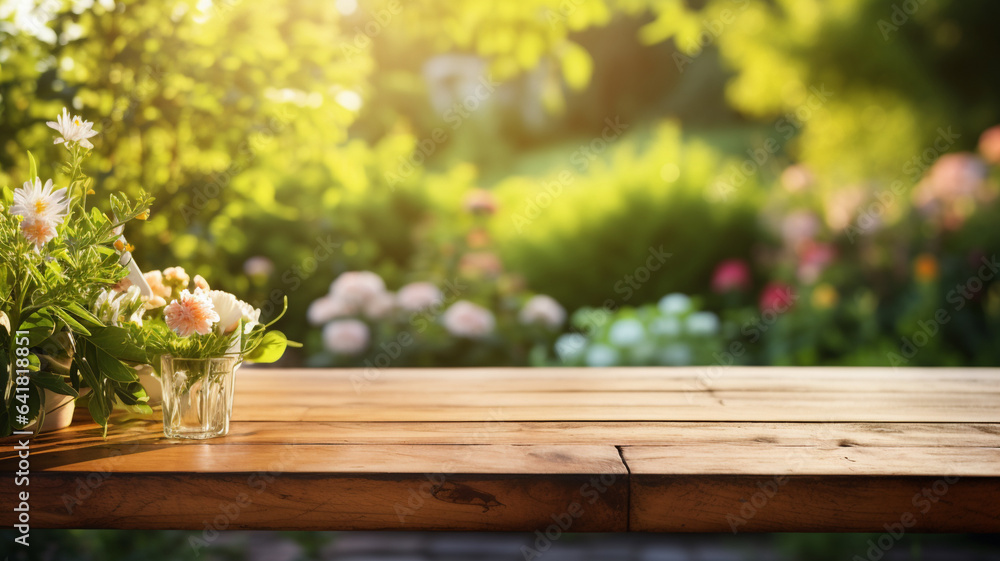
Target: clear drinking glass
[{"x": 197, "y": 396}]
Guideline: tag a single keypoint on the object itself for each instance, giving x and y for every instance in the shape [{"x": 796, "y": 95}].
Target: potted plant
[{"x": 57, "y": 255}]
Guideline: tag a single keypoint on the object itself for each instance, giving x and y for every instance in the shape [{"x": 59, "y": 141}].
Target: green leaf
[
  {"x": 70, "y": 320},
  {"x": 270, "y": 349},
  {"x": 74, "y": 375},
  {"x": 108, "y": 366},
  {"x": 141, "y": 409},
  {"x": 53, "y": 383},
  {"x": 84, "y": 314},
  {"x": 39, "y": 327},
  {"x": 32, "y": 167},
  {"x": 98, "y": 409},
  {"x": 132, "y": 394},
  {"x": 116, "y": 342}
]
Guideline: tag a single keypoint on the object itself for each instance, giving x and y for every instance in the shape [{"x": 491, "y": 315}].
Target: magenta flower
[
  {"x": 777, "y": 298},
  {"x": 731, "y": 275}
]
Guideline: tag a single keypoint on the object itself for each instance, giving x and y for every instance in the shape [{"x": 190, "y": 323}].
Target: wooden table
[{"x": 644, "y": 449}]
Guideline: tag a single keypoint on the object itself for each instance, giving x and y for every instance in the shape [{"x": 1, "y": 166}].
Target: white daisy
[
  {"x": 33, "y": 201},
  {"x": 73, "y": 129}
]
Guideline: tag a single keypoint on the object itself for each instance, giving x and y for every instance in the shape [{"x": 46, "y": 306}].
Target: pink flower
[
  {"x": 813, "y": 259},
  {"x": 258, "y": 266},
  {"x": 155, "y": 281},
  {"x": 200, "y": 282},
  {"x": 480, "y": 264},
  {"x": 731, "y": 275},
  {"x": 797, "y": 178},
  {"x": 798, "y": 227},
  {"x": 842, "y": 207},
  {"x": 380, "y": 306},
  {"x": 989, "y": 144},
  {"x": 176, "y": 276},
  {"x": 346, "y": 336},
  {"x": 480, "y": 201},
  {"x": 777, "y": 298},
  {"x": 543, "y": 310},
  {"x": 418, "y": 296},
  {"x": 953, "y": 187},
  {"x": 192, "y": 312},
  {"x": 956, "y": 175},
  {"x": 465, "y": 319},
  {"x": 477, "y": 238},
  {"x": 38, "y": 231},
  {"x": 356, "y": 288},
  {"x": 122, "y": 285},
  {"x": 326, "y": 308}
]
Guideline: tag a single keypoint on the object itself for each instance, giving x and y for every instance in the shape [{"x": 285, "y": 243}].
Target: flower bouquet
[
  {"x": 196, "y": 343},
  {"x": 77, "y": 316},
  {"x": 57, "y": 255}
]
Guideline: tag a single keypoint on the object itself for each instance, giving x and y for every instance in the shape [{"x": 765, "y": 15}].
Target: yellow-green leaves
[
  {"x": 577, "y": 66},
  {"x": 270, "y": 349}
]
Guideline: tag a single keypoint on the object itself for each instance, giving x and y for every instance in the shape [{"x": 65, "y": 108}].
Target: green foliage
[
  {"x": 270, "y": 348},
  {"x": 294, "y": 132},
  {"x": 46, "y": 292},
  {"x": 618, "y": 210},
  {"x": 672, "y": 333},
  {"x": 161, "y": 340}
]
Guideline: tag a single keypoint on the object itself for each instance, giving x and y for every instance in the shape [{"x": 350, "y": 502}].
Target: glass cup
[{"x": 197, "y": 396}]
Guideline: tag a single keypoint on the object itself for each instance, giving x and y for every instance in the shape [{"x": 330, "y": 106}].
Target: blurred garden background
[{"x": 579, "y": 182}]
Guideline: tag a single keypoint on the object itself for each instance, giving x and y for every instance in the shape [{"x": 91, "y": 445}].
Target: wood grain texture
[
  {"x": 191, "y": 457},
  {"x": 886, "y": 411},
  {"x": 282, "y": 501},
  {"x": 813, "y": 503},
  {"x": 146, "y": 430},
  {"x": 726, "y": 459},
  {"x": 309, "y": 487},
  {"x": 644, "y": 449},
  {"x": 730, "y": 488}
]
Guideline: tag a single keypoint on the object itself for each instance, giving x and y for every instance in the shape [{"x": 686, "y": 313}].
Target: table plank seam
[{"x": 628, "y": 489}]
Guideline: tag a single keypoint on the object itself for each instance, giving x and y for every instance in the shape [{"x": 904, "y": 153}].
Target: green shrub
[{"x": 581, "y": 235}]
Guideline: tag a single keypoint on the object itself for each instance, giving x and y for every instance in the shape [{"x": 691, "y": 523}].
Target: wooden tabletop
[{"x": 632, "y": 449}]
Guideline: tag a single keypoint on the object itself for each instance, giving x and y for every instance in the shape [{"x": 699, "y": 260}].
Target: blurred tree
[{"x": 306, "y": 131}]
